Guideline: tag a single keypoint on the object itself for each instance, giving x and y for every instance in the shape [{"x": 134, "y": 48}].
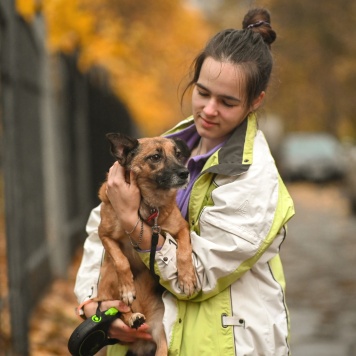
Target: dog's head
[{"x": 158, "y": 162}]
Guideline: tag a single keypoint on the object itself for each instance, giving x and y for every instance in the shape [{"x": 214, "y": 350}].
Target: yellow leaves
[
  {"x": 68, "y": 24},
  {"x": 142, "y": 45},
  {"x": 27, "y": 8}
]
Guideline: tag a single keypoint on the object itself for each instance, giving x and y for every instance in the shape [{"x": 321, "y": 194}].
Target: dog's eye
[
  {"x": 155, "y": 158},
  {"x": 178, "y": 154}
]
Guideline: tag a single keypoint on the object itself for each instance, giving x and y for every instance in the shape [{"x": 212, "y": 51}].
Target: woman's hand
[
  {"x": 118, "y": 329},
  {"x": 122, "y": 332},
  {"x": 124, "y": 197}
]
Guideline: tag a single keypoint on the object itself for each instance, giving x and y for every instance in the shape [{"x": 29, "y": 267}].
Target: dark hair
[{"x": 249, "y": 48}]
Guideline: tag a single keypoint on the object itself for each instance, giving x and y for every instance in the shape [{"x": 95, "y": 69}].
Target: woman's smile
[{"x": 207, "y": 124}]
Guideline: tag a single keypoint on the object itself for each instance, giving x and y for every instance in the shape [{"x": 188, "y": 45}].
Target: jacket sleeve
[
  {"x": 89, "y": 271},
  {"x": 242, "y": 227}
]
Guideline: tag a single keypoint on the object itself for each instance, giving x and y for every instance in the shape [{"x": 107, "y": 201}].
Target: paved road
[{"x": 319, "y": 258}]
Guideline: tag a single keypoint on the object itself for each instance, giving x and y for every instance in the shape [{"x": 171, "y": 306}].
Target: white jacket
[{"x": 237, "y": 212}]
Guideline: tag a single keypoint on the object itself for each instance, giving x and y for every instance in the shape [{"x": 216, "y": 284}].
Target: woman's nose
[{"x": 211, "y": 108}]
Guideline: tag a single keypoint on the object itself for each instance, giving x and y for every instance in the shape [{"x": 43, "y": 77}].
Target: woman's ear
[{"x": 258, "y": 101}]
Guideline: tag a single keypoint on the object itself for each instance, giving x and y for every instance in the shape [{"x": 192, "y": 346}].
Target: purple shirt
[{"x": 194, "y": 164}]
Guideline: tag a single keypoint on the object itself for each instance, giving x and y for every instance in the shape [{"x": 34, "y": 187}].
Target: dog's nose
[{"x": 183, "y": 174}]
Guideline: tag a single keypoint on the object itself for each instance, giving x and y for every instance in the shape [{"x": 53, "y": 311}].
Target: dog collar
[{"x": 154, "y": 215}]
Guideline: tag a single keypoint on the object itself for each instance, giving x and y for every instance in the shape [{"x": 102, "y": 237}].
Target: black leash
[{"x": 154, "y": 241}]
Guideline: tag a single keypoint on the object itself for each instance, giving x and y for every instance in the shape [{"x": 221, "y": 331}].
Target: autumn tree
[
  {"x": 313, "y": 84},
  {"x": 317, "y": 55},
  {"x": 144, "y": 46}
]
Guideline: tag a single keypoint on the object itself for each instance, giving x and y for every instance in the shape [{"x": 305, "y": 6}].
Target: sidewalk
[
  {"x": 309, "y": 339},
  {"x": 319, "y": 257}
]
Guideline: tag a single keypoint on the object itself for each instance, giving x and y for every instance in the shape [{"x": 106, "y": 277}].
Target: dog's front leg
[
  {"x": 125, "y": 286},
  {"x": 186, "y": 273}
]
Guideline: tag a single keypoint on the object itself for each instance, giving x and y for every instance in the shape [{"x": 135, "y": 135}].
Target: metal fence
[{"x": 54, "y": 157}]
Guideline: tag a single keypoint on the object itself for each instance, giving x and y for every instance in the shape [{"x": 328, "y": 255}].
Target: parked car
[{"x": 316, "y": 157}]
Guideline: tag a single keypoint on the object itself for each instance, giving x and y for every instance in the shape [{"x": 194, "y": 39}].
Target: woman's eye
[
  {"x": 228, "y": 104},
  {"x": 202, "y": 93}
]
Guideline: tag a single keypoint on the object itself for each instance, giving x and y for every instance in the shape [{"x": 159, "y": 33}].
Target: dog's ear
[
  {"x": 121, "y": 145},
  {"x": 182, "y": 146}
]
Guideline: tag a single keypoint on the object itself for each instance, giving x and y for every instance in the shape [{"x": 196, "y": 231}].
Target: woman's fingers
[
  {"x": 124, "y": 196},
  {"x": 119, "y": 330},
  {"x": 116, "y": 175},
  {"x": 118, "y": 304}
]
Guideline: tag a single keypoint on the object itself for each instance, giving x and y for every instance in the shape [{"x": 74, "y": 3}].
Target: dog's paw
[
  {"x": 188, "y": 283},
  {"x": 136, "y": 320},
  {"x": 127, "y": 294},
  {"x": 128, "y": 297}
]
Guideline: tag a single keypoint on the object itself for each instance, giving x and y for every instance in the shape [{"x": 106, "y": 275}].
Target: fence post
[{"x": 27, "y": 252}]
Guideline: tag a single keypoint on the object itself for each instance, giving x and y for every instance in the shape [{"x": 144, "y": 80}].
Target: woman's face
[{"x": 219, "y": 100}]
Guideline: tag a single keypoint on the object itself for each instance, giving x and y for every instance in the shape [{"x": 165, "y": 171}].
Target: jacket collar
[{"x": 235, "y": 157}]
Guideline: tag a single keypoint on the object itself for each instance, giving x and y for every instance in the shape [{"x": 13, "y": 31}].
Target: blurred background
[{"x": 73, "y": 70}]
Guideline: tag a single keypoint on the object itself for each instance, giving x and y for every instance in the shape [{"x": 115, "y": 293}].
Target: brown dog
[{"x": 159, "y": 169}]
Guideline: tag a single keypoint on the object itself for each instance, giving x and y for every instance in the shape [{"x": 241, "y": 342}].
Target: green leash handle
[{"x": 92, "y": 334}]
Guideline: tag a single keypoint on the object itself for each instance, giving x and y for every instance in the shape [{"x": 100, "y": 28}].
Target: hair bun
[{"x": 259, "y": 20}]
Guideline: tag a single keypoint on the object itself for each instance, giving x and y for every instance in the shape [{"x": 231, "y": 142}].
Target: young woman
[{"x": 236, "y": 205}]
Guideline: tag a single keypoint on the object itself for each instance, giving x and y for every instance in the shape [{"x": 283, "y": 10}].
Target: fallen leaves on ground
[{"x": 54, "y": 318}]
